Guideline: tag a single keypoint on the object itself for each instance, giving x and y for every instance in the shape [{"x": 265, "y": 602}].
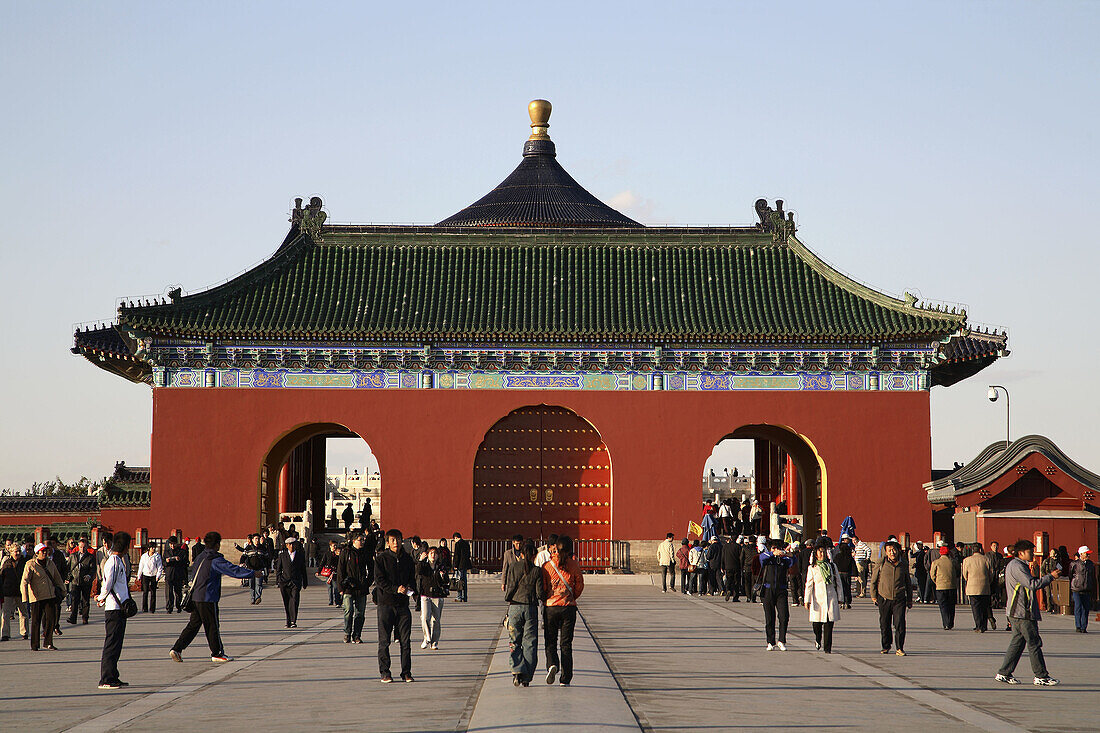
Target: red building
[
  {"x": 558, "y": 366},
  {"x": 1015, "y": 491}
]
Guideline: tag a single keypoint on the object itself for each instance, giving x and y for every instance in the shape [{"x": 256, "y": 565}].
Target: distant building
[
  {"x": 722, "y": 485},
  {"x": 354, "y": 488}
]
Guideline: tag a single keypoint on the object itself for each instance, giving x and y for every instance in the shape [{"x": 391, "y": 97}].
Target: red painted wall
[
  {"x": 208, "y": 445},
  {"x": 1069, "y": 532},
  {"x": 116, "y": 519}
]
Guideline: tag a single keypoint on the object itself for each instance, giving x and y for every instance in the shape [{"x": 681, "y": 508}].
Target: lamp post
[{"x": 993, "y": 394}]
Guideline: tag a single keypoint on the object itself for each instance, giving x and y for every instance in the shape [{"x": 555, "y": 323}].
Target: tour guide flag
[{"x": 694, "y": 529}]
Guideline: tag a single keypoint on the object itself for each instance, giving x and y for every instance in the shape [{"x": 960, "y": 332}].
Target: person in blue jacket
[
  {"x": 775, "y": 563},
  {"x": 206, "y": 573}
]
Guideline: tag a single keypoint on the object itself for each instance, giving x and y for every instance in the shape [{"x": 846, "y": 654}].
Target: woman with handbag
[
  {"x": 41, "y": 587},
  {"x": 823, "y": 595},
  {"x": 114, "y": 598}
]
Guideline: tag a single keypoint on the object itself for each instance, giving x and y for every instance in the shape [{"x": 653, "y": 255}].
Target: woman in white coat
[{"x": 823, "y": 593}]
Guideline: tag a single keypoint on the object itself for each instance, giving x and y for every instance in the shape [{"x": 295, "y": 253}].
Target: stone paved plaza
[{"x": 645, "y": 661}]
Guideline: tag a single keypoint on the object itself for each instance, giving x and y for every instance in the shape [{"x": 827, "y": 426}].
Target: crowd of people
[
  {"x": 540, "y": 585},
  {"x": 824, "y": 576}
]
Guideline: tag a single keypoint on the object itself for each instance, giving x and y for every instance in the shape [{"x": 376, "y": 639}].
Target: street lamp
[{"x": 993, "y": 394}]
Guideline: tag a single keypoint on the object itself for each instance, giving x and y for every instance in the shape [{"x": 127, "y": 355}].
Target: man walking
[
  {"x": 395, "y": 581},
  {"x": 354, "y": 573},
  {"x": 731, "y": 565},
  {"x": 290, "y": 576},
  {"x": 462, "y": 565},
  {"x": 1024, "y": 616},
  {"x": 666, "y": 560},
  {"x": 996, "y": 567},
  {"x": 890, "y": 592},
  {"x": 1082, "y": 582},
  {"x": 773, "y": 592},
  {"x": 863, "y": 564},
  {"x": 945, "y": 576},
  {"x": 978, "y": 586},
  {"x": 206, "y": 592}
]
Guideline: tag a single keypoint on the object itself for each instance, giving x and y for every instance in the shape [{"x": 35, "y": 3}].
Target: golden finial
[{"x": 539, "y": 110}]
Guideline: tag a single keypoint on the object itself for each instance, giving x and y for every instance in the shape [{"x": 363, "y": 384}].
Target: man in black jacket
[
  {"x": 175, "y": 573},
  {"x": 462, "y": 565},
  {"x": 354, "y": 573},
  {"x": 290, "y": 576},
  {"x": 81, "y": 575},
  {"x": 731, "y": 565},
  {"x": 395, "y": 581}
]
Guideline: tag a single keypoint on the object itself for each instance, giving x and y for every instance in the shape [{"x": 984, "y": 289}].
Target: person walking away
[
  {"x": 823, "y": 594},
  {"x": 890, "y": 592},
  {"x": 254, "y": 557},
  {"x": 432, "y": 583},
  {"x": 511, "y": 555},
  {"x": 697, "y": 566},
  {"x": 920, "y": 572},
  {"x": 713, "y": 555},
  {"x": 977, "y": 579},
  {"x": 945, "y": 576},
  {"x": 175, "y": 573},
  {"x": 997, "y": 568},
  {"x": 150, "y": 570},
  {"x": 290, "y": 576},
  {"x": 11, "y": 575},
  {"x": 731, "y": 566},
  {"x": 749, "y": 556},
  {"x": 562, "y": 583},
  {"x": 354, "y": 574},
  {"x": 683, "y": 557},
  {"x": 41, "y": 586},
  {"x": 206, "y": 592},
  {"x": 774, "y": 565},
  {"x": 463, "y": 564},
  {"x": 1082, "y": 583},
  {"x": 1024, "y": 616},
  {"x": 395, "y": 582},
  {"x": 82, "y": 572},
  {"x": 845, "y": 562},
  {"x": 863, "y": 564},
  {"x": 523, "y": 589},
  {"x": 113, "y": 591},
  {"x": 666, "y": 560}
]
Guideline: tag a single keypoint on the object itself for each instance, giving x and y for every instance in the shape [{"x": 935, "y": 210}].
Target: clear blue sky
[{"x": 944, "y": 148}]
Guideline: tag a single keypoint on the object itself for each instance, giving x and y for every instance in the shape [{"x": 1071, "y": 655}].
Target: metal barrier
[{"x": 488, "y": 555}]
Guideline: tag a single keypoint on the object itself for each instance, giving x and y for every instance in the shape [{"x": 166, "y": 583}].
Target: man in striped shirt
[{"x": 863, "y": 564}]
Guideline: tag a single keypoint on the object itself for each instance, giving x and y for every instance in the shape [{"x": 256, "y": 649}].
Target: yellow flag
[{"x": 695, "y": 529}]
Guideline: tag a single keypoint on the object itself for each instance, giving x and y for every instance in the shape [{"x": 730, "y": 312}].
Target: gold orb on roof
[{"x": 539, "y": 110}]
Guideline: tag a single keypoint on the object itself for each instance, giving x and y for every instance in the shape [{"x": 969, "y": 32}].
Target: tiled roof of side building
[
  {"x": 728, "y": 285},
  {"x": 48, "y": 504}
]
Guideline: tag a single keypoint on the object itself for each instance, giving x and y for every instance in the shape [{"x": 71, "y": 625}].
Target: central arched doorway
[
  {"x": 542, "y": 470},
  {"x": 782, "y": 466}
]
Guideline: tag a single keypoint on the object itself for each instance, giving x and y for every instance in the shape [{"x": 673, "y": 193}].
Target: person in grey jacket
[{"x": 1023, "y": 613}]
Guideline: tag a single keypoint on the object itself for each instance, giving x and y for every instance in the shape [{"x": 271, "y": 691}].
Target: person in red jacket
[{"x": 562, "y": 583}]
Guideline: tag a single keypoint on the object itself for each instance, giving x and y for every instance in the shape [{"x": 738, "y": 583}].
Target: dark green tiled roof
[{"x": 646, "y": 285}]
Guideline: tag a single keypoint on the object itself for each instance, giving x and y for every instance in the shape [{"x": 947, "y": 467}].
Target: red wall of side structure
[{"x": 208, "y": 445}]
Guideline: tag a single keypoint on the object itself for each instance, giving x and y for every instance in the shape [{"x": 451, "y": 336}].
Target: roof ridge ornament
[
  {"x": 539, "y": 143},
  {"x": 773, "y": 220},
  {"x": 310, "y": 219}
]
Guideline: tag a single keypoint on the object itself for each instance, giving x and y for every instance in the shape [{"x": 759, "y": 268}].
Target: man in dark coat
[
  {"x": 175, "y": 573},
  {"x": 81, "y": 575},
  {"x": 291, "y": 577},
  {"x": 748, "y": 554},
  {"x": 354, "y": 574},
  {"x": 731, "y": 566},
  {"x": 462, "y": 564},
  {"x": 348, "y": 516},
  {"x": 395, "y": 580}
]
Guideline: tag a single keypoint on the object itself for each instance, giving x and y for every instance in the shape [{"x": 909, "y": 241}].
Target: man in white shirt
[
  {"x": 543, "y": 555},
  {"x": 112, "y": 592},
  {"x": 150, "y": 570}
]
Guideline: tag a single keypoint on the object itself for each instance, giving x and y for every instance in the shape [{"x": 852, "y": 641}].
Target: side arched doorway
[
  {"x": 295, "y": 470},
  {"x": 786, "y": 470},
  {"x": 542, "y": 470}
]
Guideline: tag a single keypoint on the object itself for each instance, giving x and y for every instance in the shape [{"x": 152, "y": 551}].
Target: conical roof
[{"x": 539, "y": 192}]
